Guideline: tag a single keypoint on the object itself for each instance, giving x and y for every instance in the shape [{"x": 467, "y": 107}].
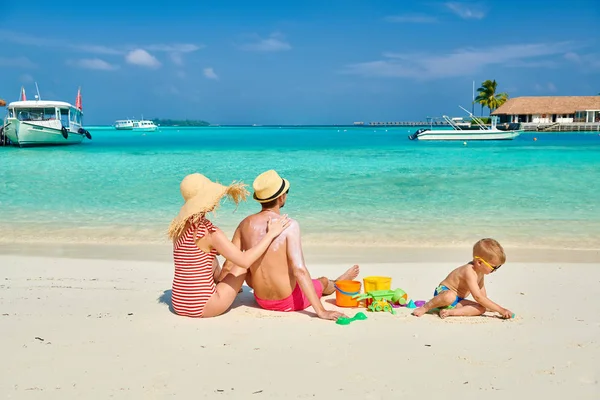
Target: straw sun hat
[
  {"x": 268, "y": 186},
  {"x": 201, "y": 195}
]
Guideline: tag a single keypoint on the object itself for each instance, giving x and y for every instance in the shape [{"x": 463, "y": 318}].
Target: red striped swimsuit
[{"x": 193, "y": 283}]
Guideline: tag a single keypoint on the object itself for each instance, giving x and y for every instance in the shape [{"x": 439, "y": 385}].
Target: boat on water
[
  {"x": 479, "y": 131},
  {"x": 44, "y": 122},
  {"x": 136, "y": 125},
  {"x": 124, "y": 125}
]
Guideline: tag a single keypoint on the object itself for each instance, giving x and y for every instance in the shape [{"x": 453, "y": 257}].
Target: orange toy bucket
[
  {"x": 373, "y": 283},
  {"x": 344, "y": 290}
]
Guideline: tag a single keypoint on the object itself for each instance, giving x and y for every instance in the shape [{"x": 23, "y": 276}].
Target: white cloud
[
  {"x": 546, "y": 88},
  {"x": 93, "y": 63},
  {"x": 142, "y": 58},
  {"x": 574, "y": 57},
  {"x": 177, "y": 58},
  {"x": 412, "y": 18},
  {"x": 275, "y": 42},
  {"x": 17, "y": 62},
  {"x": 26, "y": 78},
  {"x": 461, "y": 62},
  {"x": 210, "y": 73},
  {"x": 175, "y": 48},
  {"x": 466, "y": 11},
  {"x": 588, "y": 62},
  {"x": 96, "y": 49}
]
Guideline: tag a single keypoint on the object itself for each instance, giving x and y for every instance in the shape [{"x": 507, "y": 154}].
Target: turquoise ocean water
[{"x": 349, "y": 186}]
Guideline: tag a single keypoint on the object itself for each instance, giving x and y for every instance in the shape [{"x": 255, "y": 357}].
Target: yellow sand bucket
[{"x": 372, "y": 283}]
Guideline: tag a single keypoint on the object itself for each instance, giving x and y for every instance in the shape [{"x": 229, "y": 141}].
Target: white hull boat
[
  {"x": 124, "y": 125},
  {"x": 460, "y": 132},
  {"x": 144, "y": 126},
  {"x": 135, "y": 125},
  {"x": 44, "y": 123}
]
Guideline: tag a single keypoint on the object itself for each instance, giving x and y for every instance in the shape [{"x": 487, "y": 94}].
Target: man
[{"x": 280, "y": 279}]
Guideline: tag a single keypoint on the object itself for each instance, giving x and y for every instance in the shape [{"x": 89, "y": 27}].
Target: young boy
[{"x": 450, "y": 295}]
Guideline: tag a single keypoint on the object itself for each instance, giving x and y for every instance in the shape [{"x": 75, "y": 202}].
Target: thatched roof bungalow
[{"x": 549, "y": 109}]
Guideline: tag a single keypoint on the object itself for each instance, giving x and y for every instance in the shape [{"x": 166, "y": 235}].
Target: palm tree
[{"x": 487, "y": 96}]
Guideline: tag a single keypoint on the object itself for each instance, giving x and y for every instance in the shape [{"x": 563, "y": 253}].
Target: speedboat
[
  {"x": 44, "y": 122},
  {"x": 459, "y": 132}
]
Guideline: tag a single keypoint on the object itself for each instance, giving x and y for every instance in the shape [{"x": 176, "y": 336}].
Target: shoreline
[{"x": 329, "y": 254}]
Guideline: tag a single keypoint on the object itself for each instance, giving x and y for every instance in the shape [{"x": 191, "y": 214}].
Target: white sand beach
[{"x": 90, "y": 328}]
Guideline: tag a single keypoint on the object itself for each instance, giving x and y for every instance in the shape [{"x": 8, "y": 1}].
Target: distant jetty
[
  {"x": 402, "y": 123},
  {"x": 179, "y": 122}
]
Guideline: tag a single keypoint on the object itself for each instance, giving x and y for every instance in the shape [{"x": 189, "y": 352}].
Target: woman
[{"x": 196, "y": 243}]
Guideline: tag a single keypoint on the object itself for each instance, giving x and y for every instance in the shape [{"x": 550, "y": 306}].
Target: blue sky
[{"x": 295, "y": 62}]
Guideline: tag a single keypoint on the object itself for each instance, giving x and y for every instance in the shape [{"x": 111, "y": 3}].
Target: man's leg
[
  {"x": 328, "y": 284},
  {"x": 464, "y": 308}
]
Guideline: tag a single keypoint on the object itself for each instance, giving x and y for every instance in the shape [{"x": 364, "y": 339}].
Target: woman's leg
[{"x": 227, "y": 290}]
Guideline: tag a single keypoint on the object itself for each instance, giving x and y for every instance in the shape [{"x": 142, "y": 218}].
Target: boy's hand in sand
[
  {"x": 331, "y": 315},
  {"x": 506, "y": 314},
  {"x": 275, "y": 227}
]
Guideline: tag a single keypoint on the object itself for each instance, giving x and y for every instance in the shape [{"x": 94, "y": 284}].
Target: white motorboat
[
  {"x": 461, "y": 132},
  {"x": 144, "y": 126},
  {"x": 44, "y": 122},
  {"x": 124, "y": 124},
  {"x": 135, "y": 125}
]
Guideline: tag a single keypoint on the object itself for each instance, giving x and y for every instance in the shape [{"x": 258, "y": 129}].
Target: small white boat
[
  {"x": 461, "y": 132},
  {"x": 144, "y": 126},
  {"x": 124, "y": 124},
  {"x": 135, "y": 125},
  {"x": 44, "y": 122}
]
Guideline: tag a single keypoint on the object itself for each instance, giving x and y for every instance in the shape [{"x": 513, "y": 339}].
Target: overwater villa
[{"x": 552, "y": 112}]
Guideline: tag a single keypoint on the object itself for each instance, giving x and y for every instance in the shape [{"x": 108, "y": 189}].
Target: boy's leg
[
  {"x": 443, "y": 299},
  {"x": 464, "y": 308}
]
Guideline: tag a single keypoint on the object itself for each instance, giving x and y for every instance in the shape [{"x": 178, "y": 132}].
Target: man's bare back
[
  {"x": 271, "y": 276},
  {"x": 280, "y": 279}
]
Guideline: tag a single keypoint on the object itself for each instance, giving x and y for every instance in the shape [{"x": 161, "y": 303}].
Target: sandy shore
[{"x": 95, "y": 329}]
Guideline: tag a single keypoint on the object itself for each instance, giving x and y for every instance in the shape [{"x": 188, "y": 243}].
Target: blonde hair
[{"x": 489, "y": 249}]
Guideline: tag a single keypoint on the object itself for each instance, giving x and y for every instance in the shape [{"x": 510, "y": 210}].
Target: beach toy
[
  {"x": 346, "y": 321},
  {"x": 420, "y": 303},
  {"x": 382, "y": 300},
  {"x": 374, "y": 283},
  {"x": 344, "y": 292},
  {"x": 411, "y": 304}
]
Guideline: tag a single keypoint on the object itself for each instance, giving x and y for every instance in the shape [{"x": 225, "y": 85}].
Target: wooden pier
[
  {"x": 406, "y": 123},
  {"x": 562, "y": 127}
]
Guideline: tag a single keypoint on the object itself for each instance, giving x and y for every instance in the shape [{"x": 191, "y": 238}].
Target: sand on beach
[{"x": 97, "y": 329}]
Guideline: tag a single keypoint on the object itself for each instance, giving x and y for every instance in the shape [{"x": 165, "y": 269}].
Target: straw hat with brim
[
  {"x": 268, "y": 186},
  {"x": 201, "y": 195}
]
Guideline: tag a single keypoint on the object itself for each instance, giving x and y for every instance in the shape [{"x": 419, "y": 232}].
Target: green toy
[
  {"x": 346, "y": 321},
  {"x": 383, "y": 299}
]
